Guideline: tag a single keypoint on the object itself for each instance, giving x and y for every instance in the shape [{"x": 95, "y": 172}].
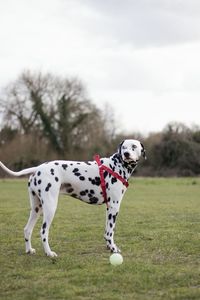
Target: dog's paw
[
  {"x": 51, "y": 254},
  {"x": 31, "y": 251},
  {"x": 113, "y": 248}
]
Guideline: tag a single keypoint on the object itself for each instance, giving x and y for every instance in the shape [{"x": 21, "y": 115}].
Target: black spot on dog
[
  {"x": 65, "y": 186},
  {"x": 114, "y": 217},
  {"x": 105, "y": 174},
  {"x": 33, "y": 193},
  {"x": 52, "y": 171},
  {"x": 44, "y": 240},
  {"x": 115, "y": 162},
  {"x": 39, "y": 181},
  {"x": 35, "y": 181},
  {"x": 91, "y": 180},
  {"x": 70, "y": 190},
  {"x": 36, "y": 209},
  {"x": 110, "y": 217},
  {"x": 74, "y": 195},
  {"x": 48, "y": 187},
  {"x": 56, "y": 179},
  {"x": 82, "y": 193},
  {"x": 91, "y": 191},
  {"x": 77, "y": 174},
  {"x": 113, "y": 180},
  {"x": 75, "y": 170},
  {"x": 26, "y": 240},
  {"x": 82, "y": 178},
  {"x": 93, "y": 200},
  {"x": 112, "y": 167},
  {"x": 88, "y": 163},
  {"x": 64, "y": 166},
  {"x": 29, "y": 183},
  {"x": 56, "y": 163},
  {"x": 38, "y": 173},
  {"x": 111, "y": 225},
  {"x": 95, "y": 181},
  {"x": 43, "y": 227}
]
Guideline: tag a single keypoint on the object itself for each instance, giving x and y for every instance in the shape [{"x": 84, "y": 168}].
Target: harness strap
[{"x": 103, "y": 168}]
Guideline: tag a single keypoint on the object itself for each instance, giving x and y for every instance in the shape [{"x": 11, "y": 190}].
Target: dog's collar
[{"x": 103, "y": 168}]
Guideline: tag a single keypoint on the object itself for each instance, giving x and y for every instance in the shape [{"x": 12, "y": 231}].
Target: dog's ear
[
  {"x": 119, "y": 147},
  {"x": 143, "y": 151}
]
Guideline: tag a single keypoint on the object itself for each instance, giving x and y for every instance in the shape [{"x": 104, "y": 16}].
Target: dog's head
[{"x": 131, "y": 151}]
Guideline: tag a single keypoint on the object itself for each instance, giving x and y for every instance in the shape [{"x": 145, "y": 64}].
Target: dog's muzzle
[
  {"x": 127, "y": 158},
  {"x": 127, "y": 155}
]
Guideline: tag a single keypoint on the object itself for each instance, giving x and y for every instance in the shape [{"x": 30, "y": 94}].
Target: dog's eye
[{"x": 133, "y": 147}]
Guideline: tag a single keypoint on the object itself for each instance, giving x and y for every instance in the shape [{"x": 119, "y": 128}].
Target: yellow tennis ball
[{"x": 116, "y": 259}]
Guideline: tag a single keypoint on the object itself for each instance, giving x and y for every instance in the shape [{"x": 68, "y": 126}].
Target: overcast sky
[{"x": 142, "y": 57}]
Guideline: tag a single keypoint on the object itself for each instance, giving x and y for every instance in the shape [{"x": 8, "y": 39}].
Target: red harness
[{"x": 103, "y": 168}]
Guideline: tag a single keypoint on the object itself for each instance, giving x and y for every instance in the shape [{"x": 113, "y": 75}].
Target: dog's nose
[{"x": 126, "y": 154}]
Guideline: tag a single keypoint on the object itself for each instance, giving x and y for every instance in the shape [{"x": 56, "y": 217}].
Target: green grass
[{"x": 158, "y": 231}]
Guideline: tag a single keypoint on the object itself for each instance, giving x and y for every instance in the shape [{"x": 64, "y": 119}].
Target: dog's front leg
[{"x": 111, "y": 215}]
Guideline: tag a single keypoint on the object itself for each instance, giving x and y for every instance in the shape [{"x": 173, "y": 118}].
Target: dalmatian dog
[{"x": 103, "y": 180}]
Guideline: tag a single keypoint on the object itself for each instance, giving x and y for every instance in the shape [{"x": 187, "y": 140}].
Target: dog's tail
[{"x": 20, "y": 173}]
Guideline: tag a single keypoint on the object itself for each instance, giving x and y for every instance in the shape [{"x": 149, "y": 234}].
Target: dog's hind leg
[
  {"x": 36, "y": 209},
  {"x": 49, "y": 209}
]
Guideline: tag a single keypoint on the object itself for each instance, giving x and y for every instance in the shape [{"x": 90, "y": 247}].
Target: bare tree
[{"x": 55, "y": 108}]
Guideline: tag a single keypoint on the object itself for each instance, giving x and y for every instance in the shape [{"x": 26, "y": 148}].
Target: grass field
[{"x": 158, "y": 231}]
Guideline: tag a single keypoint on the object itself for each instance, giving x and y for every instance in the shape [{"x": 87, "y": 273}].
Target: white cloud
[
  {"x": 143, "y": 54},
  {"x": 145, "y": 112},
  {"x": 147, "y": 23}
]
